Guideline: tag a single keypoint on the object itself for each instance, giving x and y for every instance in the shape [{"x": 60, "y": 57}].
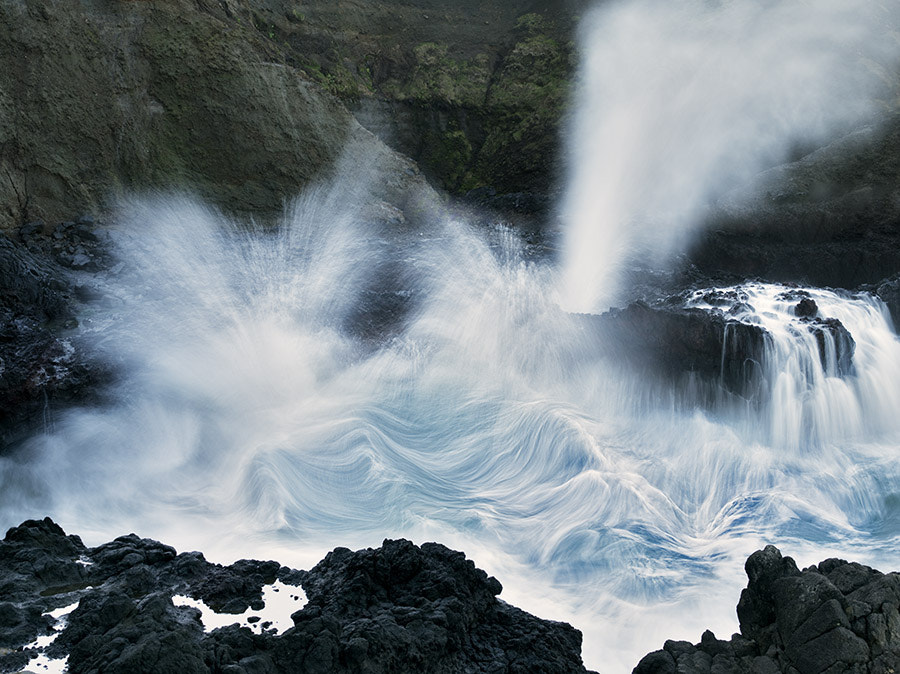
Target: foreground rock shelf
[
  {"x": 398, "y": 608},
  {"x": 135, "y": 605}
]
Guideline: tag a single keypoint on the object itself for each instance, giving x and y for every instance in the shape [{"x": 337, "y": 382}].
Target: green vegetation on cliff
[
  {"x": 475, "y": 92},
  {"x": 99, "y": 99},
  {"x": 246, "y": 101}
]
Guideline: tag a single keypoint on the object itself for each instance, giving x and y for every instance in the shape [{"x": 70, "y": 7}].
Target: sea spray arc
[{"x": 680, "y": 102}]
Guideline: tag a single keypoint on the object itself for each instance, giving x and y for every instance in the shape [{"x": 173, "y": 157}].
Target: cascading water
[
  {"x": 334, "y": 381},
  {"x": 826, "y": 376}
]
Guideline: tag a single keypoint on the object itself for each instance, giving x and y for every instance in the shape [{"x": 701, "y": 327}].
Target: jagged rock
[
  {"x": 806, "y": 308},
  {"x": 41, "y": 366},
  {"x": 835, "y": 617},
  {"x": 399, "y": 608}
]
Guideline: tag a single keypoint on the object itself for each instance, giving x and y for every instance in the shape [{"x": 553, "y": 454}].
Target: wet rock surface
[
  {"x": 397, "y": 608},
  {"x": 712, "y": 340},
  {"x": 837, "y": 616},
  {"x": 674, "y": 340},
  {"x": 42, "y": 363}
]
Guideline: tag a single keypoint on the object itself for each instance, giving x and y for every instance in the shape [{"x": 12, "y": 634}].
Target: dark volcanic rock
[
  {"x": 42, "y": 363},
  {"x": 35, "y": 362},
  {"x": 806, "y": 308},
  {"x": 398, "y": 608},
  {"x": 711, "y": 343},
  {"x": 834, "y": 342},
  {"x": 676, "y": 341},
  {"x": 888, "y": 291},
  {"x": 831, "y": 218},
  {"x": 835, "y": 617}
]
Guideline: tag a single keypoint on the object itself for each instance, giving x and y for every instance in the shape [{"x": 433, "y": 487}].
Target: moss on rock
[
  {"x": 473, "y": 91},
  {"x": 101, "y": 98}
]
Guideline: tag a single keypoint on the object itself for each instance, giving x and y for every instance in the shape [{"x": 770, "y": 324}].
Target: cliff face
[
  {"x": 461, "y": 88},
  {"x": 830, "y": 218},
  {"x": 246, "y": 101},
  {"x": 101, "y": 97}
]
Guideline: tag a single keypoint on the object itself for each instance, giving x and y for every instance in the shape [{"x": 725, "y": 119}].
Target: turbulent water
[
  {"x": 258, "y": 418},
  {"x": 332, "y": 381}
]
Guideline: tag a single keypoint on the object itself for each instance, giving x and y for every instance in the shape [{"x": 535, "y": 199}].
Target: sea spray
[{"x": 679, "y": 102}]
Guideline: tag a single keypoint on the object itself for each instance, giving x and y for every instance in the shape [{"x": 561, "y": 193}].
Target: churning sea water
[{"x": 259, "y": 415}]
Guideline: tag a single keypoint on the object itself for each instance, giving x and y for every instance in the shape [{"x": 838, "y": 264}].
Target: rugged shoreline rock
[
  {"x": 398, "y": 608},
  {"x": 716, "y": 349},
  {"x": 43, "y": 364},
  {"x": 837, "y": 616}
]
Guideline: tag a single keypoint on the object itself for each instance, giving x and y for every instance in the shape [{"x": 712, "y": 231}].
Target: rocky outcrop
[
  {"x": 837, "y": 616},
  {"x": 711, "y": 342},
  {"x": 101, "y": 98},
  {"x": 398, "y": 608},
  {"x": 42, "y": 362},
  {"x": 673, "y": 341}
]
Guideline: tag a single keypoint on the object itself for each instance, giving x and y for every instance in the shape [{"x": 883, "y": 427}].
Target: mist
[{"x": 680, "y": 102}]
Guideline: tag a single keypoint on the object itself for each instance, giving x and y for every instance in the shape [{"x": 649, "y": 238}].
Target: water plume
[{"x": 680, "y": 102}]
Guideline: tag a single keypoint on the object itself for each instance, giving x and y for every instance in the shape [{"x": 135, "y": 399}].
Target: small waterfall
[{"x": 828, "y": 368}]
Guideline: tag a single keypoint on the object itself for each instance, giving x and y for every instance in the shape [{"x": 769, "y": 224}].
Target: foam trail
[{"x": 682, "y": 101}]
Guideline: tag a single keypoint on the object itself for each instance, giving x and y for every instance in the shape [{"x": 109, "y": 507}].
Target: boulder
[{"x": 837, "y": 616}]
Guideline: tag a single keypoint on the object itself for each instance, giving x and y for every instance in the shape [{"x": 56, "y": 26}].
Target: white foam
[{"x": 46, "y": 665}]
